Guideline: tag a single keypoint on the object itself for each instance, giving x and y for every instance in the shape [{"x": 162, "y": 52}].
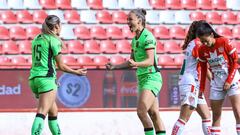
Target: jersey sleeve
[
  {"x": 203, "y": 66},
  {"x": 56, "y": 47},
  {"x": 233, "y": 60},
  {"x": 150, "y": 43}
]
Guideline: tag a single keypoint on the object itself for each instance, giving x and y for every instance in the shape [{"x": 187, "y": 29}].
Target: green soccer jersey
[
  {"x": 139, "y": 46},
  {"x": 44, "y": 49}
]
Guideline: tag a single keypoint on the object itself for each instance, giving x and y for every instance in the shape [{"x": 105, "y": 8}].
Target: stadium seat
[
  {"x": 8, "y": 17},
  {"x": 20, "y": 62},
  {"x": 48, "y": 4},
  {"x": 238, "y": 17},
  {"x": 1, "y": 49},
  {"x": 32, "y": 31},
  {"x": 161, "y": 32},
  {"x": 88, "y": 16},
  {"x": 95, "y": 4},
  {"x": 39, "y": 16},
  {"x": 229, "y": 17},
  {"x": 172, "y": 47},
  {"x": 107, "y": 46},
  {"x": 67, "y": 32},
  {"x": 98, "y": 32},
  {"x": 189, "y": 4},
  {"x": 123, "y": 46},
  {"x": 224, "y": 31},
  {"x": 219, "y": 4},
  {"x": 213, "y": 17},
  {"x": 110, "y": 4},
  {"x": 233, "y": 4},
  {"x": 177, "y": 32},
  {"x": 152, "y": 17},
  {"x": 82, "y": 32},
  {"x": 182, "y": 17},
  {"x": 15, "y": 4},
  {"x": 9, "y": 47},
  {"x": 91, "y": 46},
  {"x": 4, "y": 4},
  {"x": 119, "y": 17},
  {"x": 142, "y": 4},
  {"x": 72, "y": 16},
  {"x": 63, "y": 4},
  {"x": 100, "y": 61},
  {"x": 31, "y": 4},
  {"x": 114, "y": 32},
  {"x": 165, "y": 60},
  {"x": 127, "y": 33},
  {"x": 64, "y": 48},
  {"x": 236, "y": 32},
  {"x": 79, "y": 4},
  {"x": 4, "y": 62},
  {"x": 103, "y": 16},
  {"x": 17, "y": 32},
  {"x": 167, "y": 17},
  {"x": 126, "y": 4},
  {"x": 157, "y": 4},
  {"x": 160, "y": 47},
  {"x": 58, "y": 13},
  {"x": 75, "y": 47},
  {"x": 178, "y": 60},
  {"x": 69, "y": 60},
  {"x": 25, "y": 47},
  {"x": 204, "y": 4},
  {"x": 195, "y": 16},
  {"x": 236, "y": 44},
  {"x": 117, "y": 59},
  {"x": 85, "y": 60},
  {"x": 4, "y": 33},
  {"x": 173, "y": 4},
  {"x": 24, "y": 16}
]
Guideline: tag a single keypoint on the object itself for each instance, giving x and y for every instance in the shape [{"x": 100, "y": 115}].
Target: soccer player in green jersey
[
  {"x": 46, "y": 51},
  {"x": 144, "y": 57}
]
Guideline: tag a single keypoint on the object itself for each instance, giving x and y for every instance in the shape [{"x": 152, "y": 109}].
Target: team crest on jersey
[{"x": 221, "y": 49}]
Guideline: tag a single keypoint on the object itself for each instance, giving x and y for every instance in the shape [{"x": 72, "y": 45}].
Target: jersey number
[{"x": 37, "y": 52}]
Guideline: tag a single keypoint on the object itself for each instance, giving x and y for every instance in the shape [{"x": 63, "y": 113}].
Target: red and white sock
[
  {"x": 216, "y": 131},
  {"x": 178, "y": 127},
  {"x": 206, "y": 126},
  {"x": 238, "y": 129}
]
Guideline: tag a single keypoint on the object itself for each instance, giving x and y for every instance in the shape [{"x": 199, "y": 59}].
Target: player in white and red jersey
[
  {"x": 189, "y": 85},
  {"x": 222, "y": 58}
]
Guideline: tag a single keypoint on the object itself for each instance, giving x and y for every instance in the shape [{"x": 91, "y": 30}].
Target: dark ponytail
[
  {"x": 206, "y": 29},
  {"x": 140, "y": 13}
]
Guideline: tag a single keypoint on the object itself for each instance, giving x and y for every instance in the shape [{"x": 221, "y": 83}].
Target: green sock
[
  {"x": 161, "y": 133},
  {"x": 53, "y": 125},
  {"x": 149, "y": 131},
  {"x": 38, "y": 124}
]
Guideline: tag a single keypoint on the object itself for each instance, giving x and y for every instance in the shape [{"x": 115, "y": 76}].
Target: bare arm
[{"x": 209, "y": 75}]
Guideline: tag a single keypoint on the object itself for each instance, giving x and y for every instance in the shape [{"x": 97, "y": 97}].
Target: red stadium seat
[
  {"x": 229, "y": 17},
  {"x": 117, "y": 59},
  {"x": 213, "y": 17},
  {"x": 17, "y": 32},
  {"x": 72, "y": 16},
  {"x": 20, "y": 62},
  {"x": 123, "y": 46},
  {"x": 107, "y": 46},
  {"x": 69, "y": 60},
  {"x": 157, "y": 4},
  {"x": 10, "y": 47},
  {"x": 173, "y": 4},
  {"x": 119, "y": 17},
  {"x": 91, "y": 46},
  {"x": 178, "y": 60},
  {"x": 98, "y": 32},
  {"x": 160, "y": 47},
  {"x": 127, "y": 33},
  {"x": 224, "y": 31},
  {"x": 219, "y": 4},
  {"x": 8, "y": 17},
  {"x": 165, "y": 60},
  {"x": 4, "y": 61},
  {"x": 204, "y": 4},
  {"x": 114, "y": 32},
  {"x": 32, "y": 31},
  {"x": 48, "y": 4},
  {"x": 82, "y": 32},
  {"x": 161, "y": 32},
  {"x": 100, "y": 61},
  {"x": 238, "y": 17},
  {"x": 25, "y": 47},
  {"x": 172, "y": 47},
  {"x": 4, "y": 33},
  {"x": 189, "y": 4},
  {"x": 95, "y": 4},
  {"x": 64, "y": 49},
  {"x": 236, "y": 32},
  {"x": 24, "y": 16},
  {"x": 177, "y": 32},
  {"x": 236, "y": 44},
  {"x": 63, "y": 4},
  {"x": 75, "y": 47},
  {"x": 103, "y": 16},
  {"x": 1, "y": 49},
  {"x": 39, "y": 16},
  {"x": 85, "y": 60},
  {"x": 195, "y": 16}
]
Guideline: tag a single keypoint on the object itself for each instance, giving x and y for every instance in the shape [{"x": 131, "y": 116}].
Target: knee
[
  {"x": 141, "y": 113},
  {"x": 153, "y": 114},
  {"x": 216, "y": 114}
]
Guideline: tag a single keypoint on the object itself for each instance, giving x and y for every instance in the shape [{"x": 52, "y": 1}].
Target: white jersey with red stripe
[
  {"x": 222, "y": 59},
  {"x": 190, "y": 69}
]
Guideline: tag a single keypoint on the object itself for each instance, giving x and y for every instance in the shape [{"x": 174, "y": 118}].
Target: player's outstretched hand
[
  {"x": 110, "y": 66},
  {"x": 82, "y": 71},
  {"x": 226, "y": 86},
  {"x": 132, "y": 63}
]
